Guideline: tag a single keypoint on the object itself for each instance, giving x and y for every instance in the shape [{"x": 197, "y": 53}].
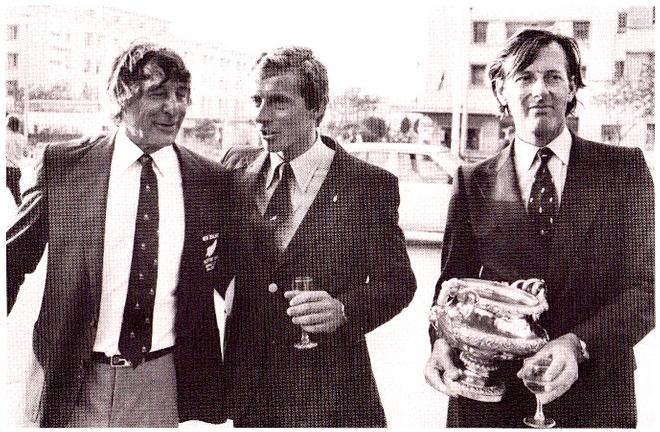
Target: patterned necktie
[
  {"x": 278, "y": 212},
  {"x": 136, "y": 327},
  {"x": 543, "y": 198}
]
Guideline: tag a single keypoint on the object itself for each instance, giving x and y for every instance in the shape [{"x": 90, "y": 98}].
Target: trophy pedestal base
[{"x": 492, "y": 393}]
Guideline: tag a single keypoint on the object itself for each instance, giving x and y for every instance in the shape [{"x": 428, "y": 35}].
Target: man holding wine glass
[
  {"x": 578, "y": 215},
  {"x": 322, "y": 261}
]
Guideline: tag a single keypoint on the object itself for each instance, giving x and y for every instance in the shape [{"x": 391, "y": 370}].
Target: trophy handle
[
  {"x": 452, "y": 289},
  {"x": 448, "y": 292},
  {"x": 470, "y": 300}
]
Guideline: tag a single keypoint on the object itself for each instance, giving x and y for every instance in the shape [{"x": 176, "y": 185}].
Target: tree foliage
[
  {"x": 633, "y": 96},
  {"x": 376, "y": 128}
]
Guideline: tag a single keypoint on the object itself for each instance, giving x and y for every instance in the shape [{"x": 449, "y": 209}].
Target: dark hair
[
  {"x": 14, "y": 124},
  {"x": 128, "y": 70},
  {"x": 313, "y": 77},
  {"x": 524, "y": 46}
]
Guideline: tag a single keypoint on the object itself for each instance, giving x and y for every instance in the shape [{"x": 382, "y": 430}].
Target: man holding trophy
[{"x": 573, "y": 215}]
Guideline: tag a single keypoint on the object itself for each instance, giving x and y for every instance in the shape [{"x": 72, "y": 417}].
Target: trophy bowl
[{"x": 488, "y": 322}]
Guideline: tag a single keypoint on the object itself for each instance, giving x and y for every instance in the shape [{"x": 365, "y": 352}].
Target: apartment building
[
  {"x": 616, "y": 44},
  {"x": 59, "y": 58}
]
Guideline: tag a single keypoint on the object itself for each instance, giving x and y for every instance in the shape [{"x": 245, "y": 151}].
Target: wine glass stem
[
  {"x": 304, "y": 338},
  {"x": 539, "y": 416}
]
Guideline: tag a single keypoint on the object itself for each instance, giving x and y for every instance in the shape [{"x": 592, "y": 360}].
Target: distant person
[
  {"x": 16, "y": 146},
  {"x": 127, "y": 333},
  {"x": 575, "y": 213},
  {"x": 308, "y": 208}
]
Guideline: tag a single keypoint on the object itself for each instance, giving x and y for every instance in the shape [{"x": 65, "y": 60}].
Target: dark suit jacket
[
  {"x": 599, "y": 276},
  {"x": 66, "y": 209},
  {"x": 352, "y": 246}
]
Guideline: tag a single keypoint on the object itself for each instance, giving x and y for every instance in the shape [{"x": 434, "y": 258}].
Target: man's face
[
  {"x": 537, "y": 96},
  {"x": 283, "y": 121},
  {"x": 154, "y": 118}
]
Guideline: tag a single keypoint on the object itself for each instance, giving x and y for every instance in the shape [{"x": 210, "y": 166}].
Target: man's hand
[
  {"x": 315, "y": 311},
  {"x": 563, "y": 371},
  {"x": 440, "y": 367}
]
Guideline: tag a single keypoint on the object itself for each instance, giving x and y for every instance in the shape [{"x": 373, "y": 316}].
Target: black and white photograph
[{"x": 348, "y": 214}]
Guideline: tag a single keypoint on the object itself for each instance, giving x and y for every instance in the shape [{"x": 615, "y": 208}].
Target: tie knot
[
  {"x": 545, "y": 154},
  {"x": 145, "y": 159},
  {"x": 285, "y": 171}
]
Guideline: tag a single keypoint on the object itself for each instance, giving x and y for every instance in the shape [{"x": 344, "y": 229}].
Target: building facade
[
  {"x": 617, "y": 49},
  {"x": 59, "y": 58}
]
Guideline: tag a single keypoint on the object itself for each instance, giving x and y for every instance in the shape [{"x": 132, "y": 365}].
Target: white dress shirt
[
  {"x": 120, "y": 213},
  {"x": 309, "y": 170},
  {"x": 527, "y": 164}
]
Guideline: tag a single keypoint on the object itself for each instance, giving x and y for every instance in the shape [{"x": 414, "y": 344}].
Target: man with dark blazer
[
  {"x": 135, "y": 227},
  {"x": 336, "y": 221},
  {"x": 578, "y": 215}
]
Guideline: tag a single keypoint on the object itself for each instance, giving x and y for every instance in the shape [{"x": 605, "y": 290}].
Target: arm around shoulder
[{"x": 28, "y": 234}]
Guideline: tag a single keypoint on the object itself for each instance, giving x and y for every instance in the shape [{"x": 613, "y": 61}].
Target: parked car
[{"x": 425, "y": 173}]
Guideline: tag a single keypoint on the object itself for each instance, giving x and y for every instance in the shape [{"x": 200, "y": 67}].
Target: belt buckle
[{"x": 117, "y": 361}]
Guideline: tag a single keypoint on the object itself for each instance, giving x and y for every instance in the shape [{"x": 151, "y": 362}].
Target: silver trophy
[{"x": 489, "y": 322}]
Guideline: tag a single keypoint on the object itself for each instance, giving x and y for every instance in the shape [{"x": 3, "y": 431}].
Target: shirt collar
[
  {"x": 305, "y": 165},
  {"x": 127, "y": 152},
  {"x": 560, "y": 146}
]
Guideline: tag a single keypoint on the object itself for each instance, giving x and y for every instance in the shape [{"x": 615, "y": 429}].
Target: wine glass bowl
[
  {"x": 536, "y": 380},
  {"x": 303, "y": 283}
]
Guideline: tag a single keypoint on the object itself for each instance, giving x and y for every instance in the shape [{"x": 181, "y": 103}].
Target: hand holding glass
[
  {"x": 536, "y": 381},
  {"x": 303, "y": 283}
]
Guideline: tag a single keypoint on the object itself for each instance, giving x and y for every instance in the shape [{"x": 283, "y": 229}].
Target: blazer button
[{"x": 272, "y": 288}]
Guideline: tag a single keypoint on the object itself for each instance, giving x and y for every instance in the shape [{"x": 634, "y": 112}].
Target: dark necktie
[
  {"x": 543, "y": 198},
  {"x": 279, "y": 206},
  {"x": 278, "y": 212},
  {"x": 136, "y": 327}
]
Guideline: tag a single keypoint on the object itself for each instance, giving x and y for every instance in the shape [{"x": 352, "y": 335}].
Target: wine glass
[
  {"x": 303, "y": 283},
  {"x": 536, "y": 381}
]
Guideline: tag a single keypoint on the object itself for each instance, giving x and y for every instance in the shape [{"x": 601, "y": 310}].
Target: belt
[{"x": 118, "y": 361}]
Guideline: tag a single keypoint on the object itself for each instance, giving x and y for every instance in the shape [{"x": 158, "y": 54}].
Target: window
[
  {"x": 618, "y": 69},
  {"x": 639, "y": 17},
  {"x": 650, "y": 136},
  {"x": 472, "y": 139},
  {"x": 637, "y": 64},
  {"x": 12, "y": 88},
  {"x": 12, "y": 32},
  {"x": 479, "y": 31},
  {"x": 446, "y": 137},
  {"x": 610, "y": 134},
  {"x": 477, "y": 74},
  {"x": 623, "y": 22},
  {"x": 513, "y": 27},
  {"x": 12, "y": 60},
  {"x": 581, "y": 30}
]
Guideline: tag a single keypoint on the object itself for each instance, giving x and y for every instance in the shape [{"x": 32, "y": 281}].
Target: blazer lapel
[
  {"x": 194, "y": 207},
  {"x": 253, "y": 229},
  {"x": 500, "y": 213},
  {"x": 95, "y": 169},
  {"x": 498, "y": 185},
  {"x": 583, "y": 192},
  {"x": 322, "y": 209}
]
